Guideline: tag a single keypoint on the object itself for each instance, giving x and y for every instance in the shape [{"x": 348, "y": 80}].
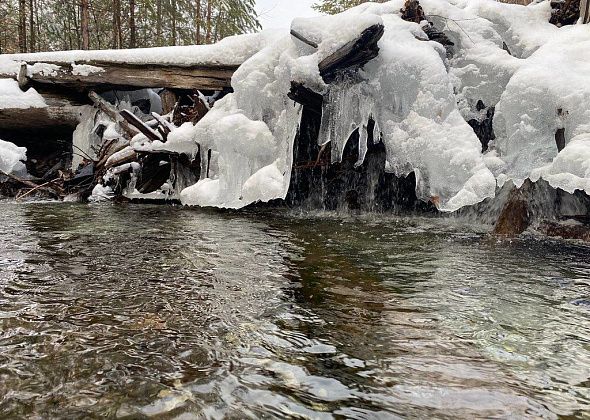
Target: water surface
[{"x": 131, "y": 311}]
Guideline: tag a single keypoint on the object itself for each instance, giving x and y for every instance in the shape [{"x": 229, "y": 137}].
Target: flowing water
[{"x": 131, "y": 311}]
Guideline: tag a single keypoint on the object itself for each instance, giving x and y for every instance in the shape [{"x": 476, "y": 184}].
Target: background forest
[{"x": 47, "y": 25}]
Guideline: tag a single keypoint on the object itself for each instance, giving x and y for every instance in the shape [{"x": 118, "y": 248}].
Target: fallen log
[
  {"x": 40, "y": 118},
  {"x": 102, "y": 76}
]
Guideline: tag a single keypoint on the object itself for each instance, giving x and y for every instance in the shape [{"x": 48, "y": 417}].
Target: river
[{"x": 134, "y": 311}]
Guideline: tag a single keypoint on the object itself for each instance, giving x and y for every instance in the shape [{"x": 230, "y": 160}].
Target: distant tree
[
  {"x": 22, "y": 25},
  {"x": 85, "y": 23}
]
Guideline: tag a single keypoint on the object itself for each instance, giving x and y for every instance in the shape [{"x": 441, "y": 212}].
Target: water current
[{"x": 135, "y": 311}]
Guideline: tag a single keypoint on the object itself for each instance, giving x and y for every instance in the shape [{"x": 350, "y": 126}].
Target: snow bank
[
  {"x": 12, "y": 97},
  {"x": 12, "y": 158}
]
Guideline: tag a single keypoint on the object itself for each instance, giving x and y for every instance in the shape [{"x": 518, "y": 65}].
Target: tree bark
[
  {"x": 22, "y": 25},
  {"x": 32, "y": 40},
  {"x": 117, "y": 33},
  {"x": 132, "y": 28},
  {"x": 209, "y": 10},
  {"x": 84, "y": 24},
  {"x": 126, "y": 76},
  {"x": 198, "y": 22},
  {"x": 173, "y": 15},
  {"x": 159, "y": 22}
]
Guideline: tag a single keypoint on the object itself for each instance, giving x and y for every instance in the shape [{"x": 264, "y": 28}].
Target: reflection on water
[{"x": 139, "y": 311}]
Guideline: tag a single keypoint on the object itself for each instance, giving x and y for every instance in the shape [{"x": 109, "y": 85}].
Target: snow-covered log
[
  {"x": 103, "y": 76},
  {"x": 29, "y": 110}
]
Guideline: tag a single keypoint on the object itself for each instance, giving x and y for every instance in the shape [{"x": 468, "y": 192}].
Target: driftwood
[
  {"x": 44, "y": 187},
  {"x": 112, "y": 113},
  {"x": 155, "y": 171},
  {"x": 350, "y": 57},
  {"x": 137, "y": 123},
  {"x": 126, "y": 155},
  {"x": 121, "y": 76},
  {"x": 38, "y": 187}
]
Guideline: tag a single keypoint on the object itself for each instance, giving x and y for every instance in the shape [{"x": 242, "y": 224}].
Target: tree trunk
[
  {"x": 38, "y": 40},
  {"x": 159, "y": 23},
  {"x": 209, "y": 7},
  {"x": 84, "y": 23},
  {"x": 117, "y": 33},
  {"x": 32, "y": 40},
  {"x": 132, "y": 28},
  {"x": 198, "y": 22},
  {"x": 173, "y": 12},
  {"x": 76, "y": 19},
  {"x": 22, "y": 25}
]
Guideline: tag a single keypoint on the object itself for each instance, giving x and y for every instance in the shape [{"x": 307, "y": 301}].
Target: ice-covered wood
[
  {"x": 354, "y": 54},
  {"x": 306, "y": 97},
  {"x": 112, "y": 113}
]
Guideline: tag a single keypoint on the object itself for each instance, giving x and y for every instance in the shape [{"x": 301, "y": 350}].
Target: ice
[
  {"x": 84, "y": 139},
  {"x": 11, "y": 96},
  {"x": 101, "y": 193},
  {"x": 419, "y": 94},
  {"x": 550, "y": 91},
  {"x": 12, "y": 159},
  {"x": 248, "y": 130}
]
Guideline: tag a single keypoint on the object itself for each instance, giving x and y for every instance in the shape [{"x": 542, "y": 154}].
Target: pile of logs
[{"x": 569, "y": 12}]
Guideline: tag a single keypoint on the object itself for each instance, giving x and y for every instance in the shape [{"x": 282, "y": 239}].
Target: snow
[
  {"x": 230, "y": 51},
  {"x": 12, "y": 158},
  {"x": 535, "y": 75},
  {"x": 11, "y": 96},
  {"x": 85, "y": 69},
  {"x": 407, "y": 90}
]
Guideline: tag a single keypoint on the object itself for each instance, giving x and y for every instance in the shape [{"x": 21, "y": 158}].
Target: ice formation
[
  {"x": 506, "y": 56},
  {"x": 12, "y": 158}
]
